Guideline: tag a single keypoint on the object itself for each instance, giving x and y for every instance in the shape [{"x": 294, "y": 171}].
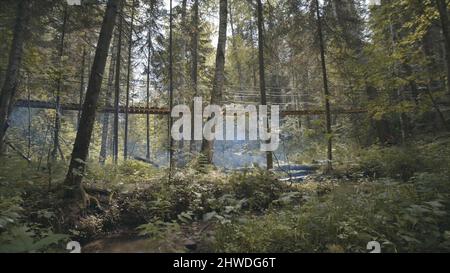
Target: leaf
[
  {"x": 185, "y": 217},
  {"x": 208, "y": 216},
  {"x": 78, "y": 160},
  {"x": 51, "y": 239},
  {"x": 435, "y": 204}
]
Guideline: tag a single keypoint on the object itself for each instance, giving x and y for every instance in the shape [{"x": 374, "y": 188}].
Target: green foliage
[
  {"x": 385, "y": 59},
  {"x": 436, "y": 154},
  {"x": 259, "y": 188},
  {"x": 394, "y": 162},
  {"x": 402, "y": 217},
  {"x": 126, "y": 174},
  {"x": 163, "y": 236},
  {"x": 188, "y": 193},
  {"x": 20, "y": 239},
  {"x": 159, "y": 229},
  {"x": 25, "y": 225},
  {"x": 404, "y": 161},
  {"x": 17, "y": 236},
  {"x": 10, "y": 210}
]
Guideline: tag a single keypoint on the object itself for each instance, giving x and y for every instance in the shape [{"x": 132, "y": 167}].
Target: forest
[{"x": 224, "y": 126}]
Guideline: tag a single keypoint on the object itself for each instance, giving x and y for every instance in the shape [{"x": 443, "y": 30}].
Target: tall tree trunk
[
  {"x": 12, "y": 72},
  {"x": 108, "y": 103},
  {"x": 194, "y": 68},
  {"x": 235, "y": 49},
  {"x": 443, "y": 15},
  {"x": 82, "y": 84},
  {"x": 117, "y": 92},
  {"x": 325, "y": 89},
  {"x": 185, "y": 63},
  {"x": 184, "y": 29},
  {"x": 219, "y": 77},
  {"x": 147, "y": 102},
  {"x": 262, "y": 76},
  {"x": 184, "y": 41},
  {"x": 73, "y": 181},
  {"x": 252, "y": 62},
  {"x": 127, "y": 103},
  {"x": 57, "y": 124},
  {"x": 29, "y": 117},
  {"x": 170, "y": 120}
]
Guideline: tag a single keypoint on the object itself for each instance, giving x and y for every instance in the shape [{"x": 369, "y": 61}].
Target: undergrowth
[{"x": 398, "y": 196}]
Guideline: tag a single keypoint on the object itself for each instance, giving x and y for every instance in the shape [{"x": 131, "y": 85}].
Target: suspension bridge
[{"x": 140, "y": 110}]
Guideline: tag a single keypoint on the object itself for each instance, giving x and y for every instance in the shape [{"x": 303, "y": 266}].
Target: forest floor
[
  {"x": 398, "y": 195},
  {"x": 132, "y": 242}
]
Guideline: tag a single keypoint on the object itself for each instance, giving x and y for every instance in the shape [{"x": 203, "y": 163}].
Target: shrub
[
  {"x": 436, "y": 155},
  {"x": 188, "y": 191},
  {"x": 18, "y": 236},
  {"x": 402, "y": 217},
  {"x": 395, "y": 162},
  {"x": 128, "y": 172},
  {"x": 259, "y": 188}
]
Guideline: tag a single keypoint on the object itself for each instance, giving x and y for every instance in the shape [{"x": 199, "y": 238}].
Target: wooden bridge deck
[
  {"x": 102, "y": 109},
  {"x": 135, "y": 110}
]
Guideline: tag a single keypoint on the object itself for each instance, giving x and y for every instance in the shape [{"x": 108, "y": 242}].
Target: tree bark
[
  {"x": 108, "y": 103},
  {"x": 170, "y": 120},
  {"x": 12, "y": 73},
  {"x": 235, "y": 49},
  {"x": 29, "y": 117},
  {"x": 325, "y": 89},
  {"x": 82, "y": 84},
  {"x": 73, "y": 181},
  {"x": 117, "y": 92},
  {"x": 185, "y": 63},
  {"x": 262, "y": 76},
  {"x": 194, "y": 68},
  {"x": 127, "y": 103},
  {"x": 147, "y": 102},
  {"x": 219, "y": 77},
  {"x": 57, "y": 124}
]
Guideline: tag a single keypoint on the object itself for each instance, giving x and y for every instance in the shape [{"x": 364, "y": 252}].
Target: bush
[
  {"x": 259, "y": 188},
  {"x": 394, "y": 162},
  {"x": 188, "y": 191},
  {"x": 127, "y": 173},
  {"x": 436, "y": 155},
  {"x": 18, "y": 236},
  {"x": 402, "y": 217}
]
